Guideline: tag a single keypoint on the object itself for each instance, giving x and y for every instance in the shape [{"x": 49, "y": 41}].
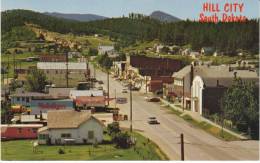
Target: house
[
  {"x": 57, "y": 71},
  {"x": 207, "y": 50},
  {"x": 105, "y": 49},
  {"x": 71, "y": 127},
  {"x": 186, "y": 52},
  {"x": 194, "y": 54},
  {"x": 211, "y": 82},
  {"x": 52, "y": 58},
  {"x": 19, "y": 131}
]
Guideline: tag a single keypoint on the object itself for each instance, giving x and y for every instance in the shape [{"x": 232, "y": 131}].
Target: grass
[
  {"x": 22, "y": 150},
  {"x": 215, "y": 131}
]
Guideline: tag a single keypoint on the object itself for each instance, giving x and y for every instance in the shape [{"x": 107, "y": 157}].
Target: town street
[{"x": 199, "y": 145}]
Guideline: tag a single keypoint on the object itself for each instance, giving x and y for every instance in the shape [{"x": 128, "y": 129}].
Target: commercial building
[
  {"x": 19, "y": 131},
  {"x": 71, "y": 127},
  {"x": 79, "y": 93},
  {"x": 211, "y": 82}
]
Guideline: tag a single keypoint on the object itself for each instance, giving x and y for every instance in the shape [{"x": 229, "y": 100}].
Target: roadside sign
[{"x": 121, "y": 100}]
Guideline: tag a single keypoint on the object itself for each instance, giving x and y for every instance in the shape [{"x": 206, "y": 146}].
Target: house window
[
  {"x": 27, "y": 99},
  {"x": 23, "y": 98},
  {"x": 56, "y": 71},
  {"x": 18, "y": 98},
  {"x": 91, "y": 134},
  {"x": 47, "y": 71},
  {"x": 42, "y": 136},
  {"x": 65, "y": 135}
]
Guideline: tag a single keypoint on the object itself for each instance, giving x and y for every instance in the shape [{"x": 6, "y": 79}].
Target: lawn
[
  {"x": 22, "y": 150},
  {"x": 215, "y": 131}
]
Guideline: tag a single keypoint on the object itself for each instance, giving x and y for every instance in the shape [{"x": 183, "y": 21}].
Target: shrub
[
  {"x": 122, "y": 140},
  {"x": 113, "y": 128},
  {"x": 61, "y": 151}
]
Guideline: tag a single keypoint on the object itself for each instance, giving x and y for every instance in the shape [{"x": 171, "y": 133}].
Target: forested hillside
[{"x": 225, "y": 37}]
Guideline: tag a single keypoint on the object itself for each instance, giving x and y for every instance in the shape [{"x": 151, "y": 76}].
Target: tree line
[{"x": 224, "y": 37}]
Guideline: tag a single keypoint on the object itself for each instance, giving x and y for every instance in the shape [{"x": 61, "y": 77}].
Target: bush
[
  {"x": 122, "y": 140},
  {"x": 113, "y": 128},
  {"x": 61, "y": 151}
]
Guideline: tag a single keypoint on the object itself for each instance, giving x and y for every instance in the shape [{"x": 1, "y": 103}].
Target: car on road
[
  {"x": 100, "y": 82},
  {"x": 124, "y": 91},
  {"x": 153, "y": 122},
  {"x": 153, "y": 99},
  {"x": 100, "y": 88},
  {"x": 150, "y": 118}
]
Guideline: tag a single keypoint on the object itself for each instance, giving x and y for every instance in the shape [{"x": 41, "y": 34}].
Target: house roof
[
  {"x": 76, "y": 93},
  {"x": 100, "y": 100},
  {"x": 68, "y": 118},
  {"x": 183, "y": 72},
  {"x": 61, "y": 65},
  {"x": 30, "y": 94},
  {"x": 221, "y": 74}
]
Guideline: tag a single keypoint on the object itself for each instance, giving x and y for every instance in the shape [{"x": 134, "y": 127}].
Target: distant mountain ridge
[
  {"x": 78, "y": 17},
  {"x": 164, "y": 17}
]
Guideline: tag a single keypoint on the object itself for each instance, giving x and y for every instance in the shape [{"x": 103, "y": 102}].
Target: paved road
[{"x": 199, "y": 145}]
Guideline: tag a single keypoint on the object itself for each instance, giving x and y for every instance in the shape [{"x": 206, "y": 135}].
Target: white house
[
  {"x": 71, "y": 127},
  {"x": 105, "y": 49}
]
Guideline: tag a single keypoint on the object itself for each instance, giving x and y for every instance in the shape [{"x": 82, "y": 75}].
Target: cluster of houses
[
  {"x": 197, "y": 87},
  {"x": 59, "y": 115}
]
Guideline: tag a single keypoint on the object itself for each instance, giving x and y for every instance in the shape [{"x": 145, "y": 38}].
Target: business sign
[
  {"x": 121, "y": 100},
  {"x": 45, "y": 105}
]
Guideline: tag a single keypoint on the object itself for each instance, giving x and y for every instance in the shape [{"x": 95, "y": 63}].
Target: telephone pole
[
  {"x": 108, "y": 86},
  {"x": 115, "y": 98},
  {"x": 182, "y": 147},
  {"x": 131, "y": 108},
  {"x": 67, "y": 70}
]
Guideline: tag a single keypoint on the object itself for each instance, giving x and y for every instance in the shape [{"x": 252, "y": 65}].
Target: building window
[
  {"x": 42, "y": 136},
  {"x": 27, "y": 99},
  {"x": 18, "y": 98},
  {"x": 65, "y": 135},
  {"x": 47, "y": 71},
  {"x": 19, "y": 130},
  {"x": 56, "y": 71},
  {"x": 34, "y": 130},
  {"x": 91, "y": 134},
  {"x": 23, "y": 98}
]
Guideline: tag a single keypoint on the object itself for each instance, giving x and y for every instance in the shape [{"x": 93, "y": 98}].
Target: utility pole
[
  {"x": 146, "y": 84},
  {"x": 131, "y": 108},
  {"x": 94, "y": 71},
  {"x": 182, "y": 147},
  {"x": 115, "y": 98},
  {"x": 183, "y": 94},
  {"x": 108, "y": 86},
  {"x": 14, "y": 62},
  {"x": 67, "y": 69}
]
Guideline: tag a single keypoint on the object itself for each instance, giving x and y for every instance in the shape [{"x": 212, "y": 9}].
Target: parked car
[
  {"x": 124, "y": 91},
  {"x": 152, "y": 118},
  {"x": 100, "y": 88},
  {"x": 153, "y": 99},
  {"x": 153, "y": 122},
  {"x": 100, "y": 82}
]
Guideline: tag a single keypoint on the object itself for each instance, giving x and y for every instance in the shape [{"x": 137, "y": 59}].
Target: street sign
[{"x": 121, "y": 100}]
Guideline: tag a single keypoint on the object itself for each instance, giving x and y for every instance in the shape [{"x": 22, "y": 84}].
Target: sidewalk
[{"x": 199, "y": 118}]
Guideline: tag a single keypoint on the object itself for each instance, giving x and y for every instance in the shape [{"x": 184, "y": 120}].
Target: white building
[
  {"x": 79, "y": 93},
  {"x": 71, "y": 127},
  {"x": 105, "y": 49}
]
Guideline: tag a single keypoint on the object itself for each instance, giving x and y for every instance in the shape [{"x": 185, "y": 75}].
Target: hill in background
[{"x": 78, "y": 17}]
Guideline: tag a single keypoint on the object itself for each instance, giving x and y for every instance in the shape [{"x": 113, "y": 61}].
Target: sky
[{"x": 184, "y": 9}]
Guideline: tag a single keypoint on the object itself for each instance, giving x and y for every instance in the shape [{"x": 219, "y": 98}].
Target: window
[
  {"x": 90, "y": 134},
  {"x": 27, "y": 99},
  {"x": 18, "y": 98},
  {"x": 19, "y": 130},
  {"x": 65, "y": 135},
  {"x": 47, "y": 71},
  {"x": 34, "y": 130},
  {"x": 56, "y": 71},
  {"x": 43, "y": 136},
  {"x": 23, "y": 98}
]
